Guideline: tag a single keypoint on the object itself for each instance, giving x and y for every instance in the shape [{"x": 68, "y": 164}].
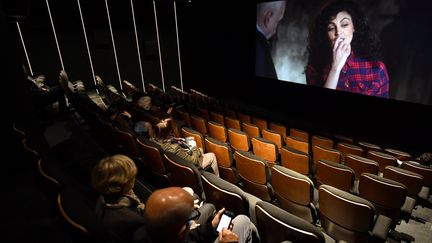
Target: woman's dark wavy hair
[{"x": 364, "y": 43}]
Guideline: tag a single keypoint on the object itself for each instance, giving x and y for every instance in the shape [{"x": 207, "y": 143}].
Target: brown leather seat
[
  {"x": 368, "y": 146},
  {"x": 217, "y": 117},
  {"x": 297, "y": 143},
  {"x": 217, "y": 131},
  {"x": 343, "y": 139},
  {"x": 255, "y": 175},
  {"x": 296, "y": 160},
  {"x": 265, "y": 149},
  {"x": 184, "y": 174},
  {"x": 232, "y": 123},
  {"x": 273, "y": 136},
  {"x": 329, "y": 154},
  {"x": 239, "y": 140},
  {"x": 279, "y": 128},
  {"x": 350, "y": 218},
  {"x": 204, "y": 113},
  {"x": 152, "y": 155},
  {"x": 297, "y": 133},
  {"x": 388, "y": 196},
  {"x": 400, "y": 155},
  {"x": 184, "y": 116},
  {"x": 383, "y": 159},
  {"x": 333, "y": 174},
  {"x": 277, "y": 225},
  {"x": 260, "y": 122},
  {"x": 346, "y": 148},
  {"x": 294, "y": 193},
  {"x": 230, "y": 113},
  {"x": 251, "y": 130},
  {"x": 243, "y": 117},
  {"x": 199, "y": 124},
  {"x": 127, "y": 142},
  {"x": 199, "y": 138},
  {"x": 426, "y": 172},
  {"x": 361, "y": 165},
  {"x": 224, "y": 194},
  {"x": 224, "y": 156},
  {"x": 322, "y": 141}
]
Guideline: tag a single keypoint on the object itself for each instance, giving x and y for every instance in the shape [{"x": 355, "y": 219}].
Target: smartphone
[{"x": 225, "y": 220}]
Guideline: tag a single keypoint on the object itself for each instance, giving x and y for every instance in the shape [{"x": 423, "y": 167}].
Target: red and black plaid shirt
[{"x": 358, "y": 75}]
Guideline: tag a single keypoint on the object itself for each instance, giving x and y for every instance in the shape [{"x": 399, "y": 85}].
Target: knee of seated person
[{"x": 241, "y": 219}]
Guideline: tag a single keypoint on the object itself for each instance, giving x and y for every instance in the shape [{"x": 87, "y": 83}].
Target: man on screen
[{"x": 269, "y": 14}]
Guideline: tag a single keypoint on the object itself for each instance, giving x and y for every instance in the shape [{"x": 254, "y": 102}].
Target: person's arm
[
  {"x": 384, "y": 82},
  {"x": 341, "y": 51}
]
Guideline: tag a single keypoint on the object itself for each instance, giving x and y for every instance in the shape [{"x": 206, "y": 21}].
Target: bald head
[
  {"x": 166, "y": 213},
  {"x": 269, "y": 14}
]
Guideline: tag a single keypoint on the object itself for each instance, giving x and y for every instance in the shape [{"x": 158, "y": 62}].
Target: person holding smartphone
[{"x": 170, "y": 213}]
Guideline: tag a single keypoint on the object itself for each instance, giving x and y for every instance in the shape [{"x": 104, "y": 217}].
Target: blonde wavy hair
[{"x": 114, "y": 175}]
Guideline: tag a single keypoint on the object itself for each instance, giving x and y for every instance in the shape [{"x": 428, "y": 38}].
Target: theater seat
[
  {"x": 350, "y": 218},
  {"x": 277, "y": 225},
  {"x": 336, "y": 175},
  {"x": 426, "y": 172}
]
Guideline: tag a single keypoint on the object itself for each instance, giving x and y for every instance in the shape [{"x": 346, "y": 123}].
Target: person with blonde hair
[
  {"x": 118, "y": 206},
  {"x": 164, "y": 136}
]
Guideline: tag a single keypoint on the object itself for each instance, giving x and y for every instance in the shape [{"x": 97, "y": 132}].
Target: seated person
[
  {"x": 164, "y": 136},
  {"x": 43, "y": 95},
  {"x": 425, "y": 159},
  {"x": 118, "y": 206},
  {"x": 169, "y": 215},
  {"x": 123, "y": 120}
]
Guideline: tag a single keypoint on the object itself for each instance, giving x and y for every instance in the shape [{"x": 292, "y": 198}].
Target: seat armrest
[{"x": 381, "y": 228}]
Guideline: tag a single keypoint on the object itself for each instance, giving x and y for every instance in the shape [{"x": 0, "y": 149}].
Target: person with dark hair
[
  {"x": 268, "y": 16},
  {"x": 343, "y": 53},
  {"x": 164, "y": 136},
  {"x": 425, "y": 159}
]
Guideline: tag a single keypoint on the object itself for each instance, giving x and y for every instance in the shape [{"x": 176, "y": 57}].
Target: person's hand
[
  {"x": 227, "y": 236},
  {"x": 125, "y": 113},
  {"x": 341, "y": 51},
  {"x": 217, "y": 217}
]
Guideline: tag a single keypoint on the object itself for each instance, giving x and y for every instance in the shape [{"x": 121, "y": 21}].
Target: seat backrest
[
  {"x": 217, "y": 117},
  {"x": 127, "y": 141},
  {"x": 297, "y": 143},
  {"x": 199, "y": 124},
  {"x": 260, "y": 122},
  {"x": 346, "y": 148},
  {"x": 297, "y": 133},
  {"x": 279, "y": 128},
  {"x": 198, "y": 137},
  {"x": 425, "y": 171},
  {"x": 277, "y": 225},
  {"x": 224, "y": 194},
  {"x": 412, "y": 180},
  {"x": 152, "y": 155},
  {"x": 230, "y": 113},
  {"x": 361, "y": 165},
  {"x": 333, "y": 174},
  {"x": 294, "y": 192},
  {"x": 344, "y": 139},
  {"x": 243, "y": 117},
  {"x": 322, "y": 141},
  {"x": 265, "y": 149},
  {"x": 251, "y": 130},
  {"x": 224, "y": 156},
  {"x": 383, "y": 159},
  {"x": 345, "y": 216},
  {"x": 255, "y": 174},
  {"x": 322, "y": 153},
  {"x": 273, "y": 136},
  {"x": 400, "y": 155},
  {"x": 388, "y": 196},
  {"x": 368, "y": 146},
  {"x": 232, "y": 123},
  {"x": 295, "y": 160},
  {"x": 184, "y": 116},
  {"x": 184, "y": 174},
  {"x": 218, "y": 131},
  {"x": 204, "y": 113},
  {"x": 239, "y": 140}
]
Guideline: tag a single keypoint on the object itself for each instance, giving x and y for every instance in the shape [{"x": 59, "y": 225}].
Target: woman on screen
[{"x": 343, "y": 52}]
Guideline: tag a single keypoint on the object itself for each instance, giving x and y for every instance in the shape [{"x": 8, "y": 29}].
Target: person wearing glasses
[{"x": 170, "y": 214}]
